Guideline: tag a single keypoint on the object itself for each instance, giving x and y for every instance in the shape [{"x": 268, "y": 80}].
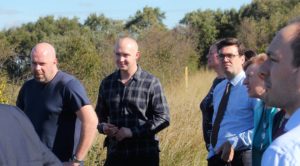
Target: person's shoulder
[
  {"x": 288, "y": 141},
  {"x": 286, "y": 147},
  {"x": 221, "y": 85},
  {"x": 110, "y": 77},
  {"x": 149, "y": 79},
  {"x": 9, "y": 109},
  {"x": 217, "y": 81},
  {"x": 66, "y": 81},
  {"x": 29, "y": 82},
  {"x": 148, "y": 75},
  {"x": 4, "y": 107},
  {"x": 65, "y": 77}
]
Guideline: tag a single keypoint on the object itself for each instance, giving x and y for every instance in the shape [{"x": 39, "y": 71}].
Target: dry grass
[{"x": 181, "y": 143}]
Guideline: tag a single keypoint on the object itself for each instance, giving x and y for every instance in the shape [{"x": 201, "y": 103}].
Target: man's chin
[
  {"x": 123, "y": 68},
  {"x": 268, "y": 99},
  {"x": 39, "y": 79}
]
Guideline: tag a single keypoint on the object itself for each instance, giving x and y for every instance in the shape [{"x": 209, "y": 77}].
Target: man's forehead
[
  {"x": 229, "y": 49},
  {"x": 273, "y": 46},
  {"x": 282, "y": 39}
]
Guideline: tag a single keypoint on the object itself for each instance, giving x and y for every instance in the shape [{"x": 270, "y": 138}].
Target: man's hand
[
  {"x": 227, "y": 152},
  {"x": 110, "y": 129},
  {"x": 123, "y": 133}
]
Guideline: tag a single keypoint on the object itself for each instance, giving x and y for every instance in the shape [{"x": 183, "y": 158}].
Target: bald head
[
  {"x": 294, "y": 28},
  {"x": 130, "y": 43},
  {"x": 43, "y": 62},
  {"x": 289, "y": 37},
  {"x": 45, "y": 49}
]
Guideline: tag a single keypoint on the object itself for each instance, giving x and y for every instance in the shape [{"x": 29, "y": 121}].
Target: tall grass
[{"x": 181, "y": 143}]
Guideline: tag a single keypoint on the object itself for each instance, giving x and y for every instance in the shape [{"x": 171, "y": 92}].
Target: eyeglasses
[{"x": 229, "y": 56}]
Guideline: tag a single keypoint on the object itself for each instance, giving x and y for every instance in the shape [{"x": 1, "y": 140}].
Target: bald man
[
  {"x": 58, "y": 106},
  {"x": 282, "y": 79},
  {"x": 131, "y": 108}
]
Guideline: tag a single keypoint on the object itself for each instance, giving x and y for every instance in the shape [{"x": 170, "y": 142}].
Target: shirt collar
[
  {"x": 136, "y": 75},
  {"x": 237, "y": 78},
  {"x": 293, "y": 121}
]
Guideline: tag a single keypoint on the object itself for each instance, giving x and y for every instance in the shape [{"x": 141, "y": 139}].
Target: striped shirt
[{"x": 140, "y": 105}]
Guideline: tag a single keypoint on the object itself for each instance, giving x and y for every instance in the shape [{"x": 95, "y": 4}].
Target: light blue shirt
[
  {"x": 285, "y": 150},
  {"x": 237, "y": 124}
]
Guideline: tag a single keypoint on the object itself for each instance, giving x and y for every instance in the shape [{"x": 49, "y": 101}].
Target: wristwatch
[{"x": 75, "y": 160}]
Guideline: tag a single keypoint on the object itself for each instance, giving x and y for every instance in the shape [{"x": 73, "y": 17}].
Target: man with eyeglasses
[{"x": 233, "y": 110}]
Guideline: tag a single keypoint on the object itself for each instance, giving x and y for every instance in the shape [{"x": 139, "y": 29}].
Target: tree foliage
[
  {"x": 254, "y": 24},
  {"x": 103, "y": 24},
  {"x": 145, "y": 19}
]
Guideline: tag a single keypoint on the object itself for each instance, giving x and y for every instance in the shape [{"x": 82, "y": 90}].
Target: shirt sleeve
[
  {"x": 75, "y": 95},
  {"x": 20, "y": 99},
  {"x": 101, "y": 107},
  {"x": 242, "y": 140},
  {"x": 158, "y": 111}
]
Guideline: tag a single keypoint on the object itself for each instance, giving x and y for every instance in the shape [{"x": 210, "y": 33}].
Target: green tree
[
  {"x": 145, "y": 19},
  {"x": 6, "y": 50},
  {"x": 166, "y": 53},
  {"x": 261, "y": 19},
  {"x": 103, "y": 24},
  {"x": 203, "y": 23},
  {"x": 226, "y": 22},
  {"x": 3, "y": 99},
  {"x": 65, "y": 25}
]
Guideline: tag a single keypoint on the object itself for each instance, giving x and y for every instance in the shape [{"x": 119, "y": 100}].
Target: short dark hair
[
  {"x": 229, "y": 42},
  {"x": 249, "y": 54}
]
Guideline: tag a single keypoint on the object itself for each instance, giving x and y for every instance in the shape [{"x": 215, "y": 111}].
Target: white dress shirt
[{"x": 285, "y": 150}]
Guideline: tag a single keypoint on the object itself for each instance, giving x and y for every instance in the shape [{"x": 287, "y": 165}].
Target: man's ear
[
  {"x": 138, "y": 55},
  {"x": 243, "y": 59},
  {"x": 296, "y": 70},
  {"x": 296, "y": 74},
  {"x": 55, "y": 61}
]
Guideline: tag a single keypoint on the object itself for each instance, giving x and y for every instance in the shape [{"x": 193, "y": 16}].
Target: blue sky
[{"x": 16, "y": 12}]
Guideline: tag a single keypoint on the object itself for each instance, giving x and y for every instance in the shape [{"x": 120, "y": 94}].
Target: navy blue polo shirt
[{"x": 52, "y": 109}]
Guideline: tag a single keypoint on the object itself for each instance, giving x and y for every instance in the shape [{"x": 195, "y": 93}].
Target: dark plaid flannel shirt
[{"x": 140, "y": 106}]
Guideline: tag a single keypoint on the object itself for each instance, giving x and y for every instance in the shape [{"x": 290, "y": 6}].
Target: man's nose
[
  {"x": 121, "y": 58},
  {"x": 37, "y": 67}
]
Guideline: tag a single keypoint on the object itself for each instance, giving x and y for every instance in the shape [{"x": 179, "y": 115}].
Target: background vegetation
[{"x": 86, "y": 50}]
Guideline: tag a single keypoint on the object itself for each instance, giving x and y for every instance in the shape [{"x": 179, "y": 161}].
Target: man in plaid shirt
[{"x": 131, "y": 108}]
